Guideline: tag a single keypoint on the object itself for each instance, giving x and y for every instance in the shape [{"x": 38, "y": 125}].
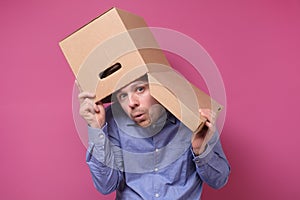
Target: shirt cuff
[
  {"x": 204, "y": 157},
  {"x": 208, "y": 153},
  {"x": 96, "y": 143},
  {"x": 96, "y": 135}
]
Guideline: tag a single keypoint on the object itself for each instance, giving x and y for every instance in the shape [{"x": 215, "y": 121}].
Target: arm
[
  {"x": 103, "y": 157},
  {"x": 211, "y": 163}
]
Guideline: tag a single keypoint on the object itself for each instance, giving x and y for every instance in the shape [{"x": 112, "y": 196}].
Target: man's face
[{"x": 138, "y": 104}]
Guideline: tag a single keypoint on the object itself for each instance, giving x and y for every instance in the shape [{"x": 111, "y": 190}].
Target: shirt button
[
  {"x": 156, "y": 195},
  {"x": 156, "y": 150},
  {"x": 101, "y": 135},
  {"x": 156, "y": 169}
]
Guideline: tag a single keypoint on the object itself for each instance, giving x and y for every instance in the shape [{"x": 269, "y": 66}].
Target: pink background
[{"x": 255, "y": 44}]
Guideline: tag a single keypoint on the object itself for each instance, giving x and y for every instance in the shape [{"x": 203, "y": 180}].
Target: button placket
[
  {"x": 156, "y": 159},
  {"x": 156, "y": 184}
]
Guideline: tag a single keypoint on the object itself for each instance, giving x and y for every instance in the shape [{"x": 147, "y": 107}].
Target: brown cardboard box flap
[{"x": 181, "y": 98}]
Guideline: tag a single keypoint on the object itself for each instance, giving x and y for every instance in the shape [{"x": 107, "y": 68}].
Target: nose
[{"x": 133, "y": 101}]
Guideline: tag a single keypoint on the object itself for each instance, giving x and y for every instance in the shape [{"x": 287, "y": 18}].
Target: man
[{"x": 140, "y": 150}]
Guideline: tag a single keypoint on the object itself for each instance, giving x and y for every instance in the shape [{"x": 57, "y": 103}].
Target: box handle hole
[{"x": 112, "y": 69}]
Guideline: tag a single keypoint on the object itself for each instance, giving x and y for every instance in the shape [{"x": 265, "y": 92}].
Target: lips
[{"x": 138, "y": 116}]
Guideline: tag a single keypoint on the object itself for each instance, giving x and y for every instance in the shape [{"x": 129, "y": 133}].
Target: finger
[
  {"x": 84, "y": 95},
  {"x": 205, "y": 113},
  {"x": 90, "y": 106},
  {"x": 211, "y": 128},
  {"x": 91, "y": 109},
  {"x": 87, "y": 106},
  {"x": 88, "y": 116},
  {"x": 101, "y": 107},
  {"x": 208, "y": 124},
  {"x": 209, "y": 114},
  {"x": 96, "y": 108}
]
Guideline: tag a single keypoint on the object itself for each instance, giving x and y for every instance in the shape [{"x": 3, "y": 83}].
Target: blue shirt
[{"x": 154, "y": 162}]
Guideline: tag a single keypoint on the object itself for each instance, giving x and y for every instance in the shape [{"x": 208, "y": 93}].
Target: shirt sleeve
[
  {"x": 104, "y": 160},
  {"x": 212, "y": 165}
]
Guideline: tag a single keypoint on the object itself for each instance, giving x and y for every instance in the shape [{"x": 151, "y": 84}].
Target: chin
[{"x": 145, "y": 123}]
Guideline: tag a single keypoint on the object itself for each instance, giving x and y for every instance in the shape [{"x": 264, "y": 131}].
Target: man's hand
[
  {"x": 200, "y": 139},
  {"x": 92, "y": 113}
]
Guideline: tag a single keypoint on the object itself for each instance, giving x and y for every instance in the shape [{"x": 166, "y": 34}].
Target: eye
[
  {"x": 140, "y": 89},
  {"x": 122, "y": 96}
]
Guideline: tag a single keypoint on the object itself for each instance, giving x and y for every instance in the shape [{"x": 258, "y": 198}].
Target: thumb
[
  {"x": 100, "y": 107},
  {"x": 96, "y": 108}
]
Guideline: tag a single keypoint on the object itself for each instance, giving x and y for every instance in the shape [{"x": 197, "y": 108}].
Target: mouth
[
  {"x": 138, "y": 116},
  {"x": 141, "y": 118}
]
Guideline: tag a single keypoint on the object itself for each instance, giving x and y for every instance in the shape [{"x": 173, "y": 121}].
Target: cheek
[
  {"x": 148, "y": 100},
  {"x": 124, "y": 107},
  {"x": 156, "y": 110},
  {"x": 152, "y": 106}
]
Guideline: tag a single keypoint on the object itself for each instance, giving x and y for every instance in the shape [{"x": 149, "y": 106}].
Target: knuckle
[{"x": 82, "y": 110}]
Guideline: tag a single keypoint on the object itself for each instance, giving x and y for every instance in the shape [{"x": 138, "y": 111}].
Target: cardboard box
[
  {"x": 121, "y": 41},
  {"x": 115, "y": 38}
]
